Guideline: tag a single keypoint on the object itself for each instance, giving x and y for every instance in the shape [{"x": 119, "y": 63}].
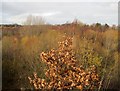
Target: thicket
[{"x": 20, "y": 52}]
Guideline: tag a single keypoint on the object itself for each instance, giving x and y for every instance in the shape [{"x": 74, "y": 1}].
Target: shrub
[{"x": 63, "y": 70}]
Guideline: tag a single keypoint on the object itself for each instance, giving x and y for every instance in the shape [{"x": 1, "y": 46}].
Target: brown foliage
[{"x": 63, "y": 71}]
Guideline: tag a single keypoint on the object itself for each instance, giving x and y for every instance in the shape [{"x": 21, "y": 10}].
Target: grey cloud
[{"x": 88, "y": 12}]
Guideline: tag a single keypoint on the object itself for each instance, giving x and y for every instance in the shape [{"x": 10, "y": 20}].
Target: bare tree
[{"x": 34, "y": 20}]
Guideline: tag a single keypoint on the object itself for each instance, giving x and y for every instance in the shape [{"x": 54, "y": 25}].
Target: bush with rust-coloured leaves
[{"x": 64, "y": 71}]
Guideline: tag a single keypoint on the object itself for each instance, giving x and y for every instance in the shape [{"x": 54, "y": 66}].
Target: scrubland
[{"x": 93, "y": 45}]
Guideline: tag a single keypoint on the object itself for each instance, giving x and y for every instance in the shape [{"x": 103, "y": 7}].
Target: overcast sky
[{"x": 60, "y": 12}]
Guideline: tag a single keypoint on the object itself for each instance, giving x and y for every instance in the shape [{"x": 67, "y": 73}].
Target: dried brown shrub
[{"x": 64, "y": 71}]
